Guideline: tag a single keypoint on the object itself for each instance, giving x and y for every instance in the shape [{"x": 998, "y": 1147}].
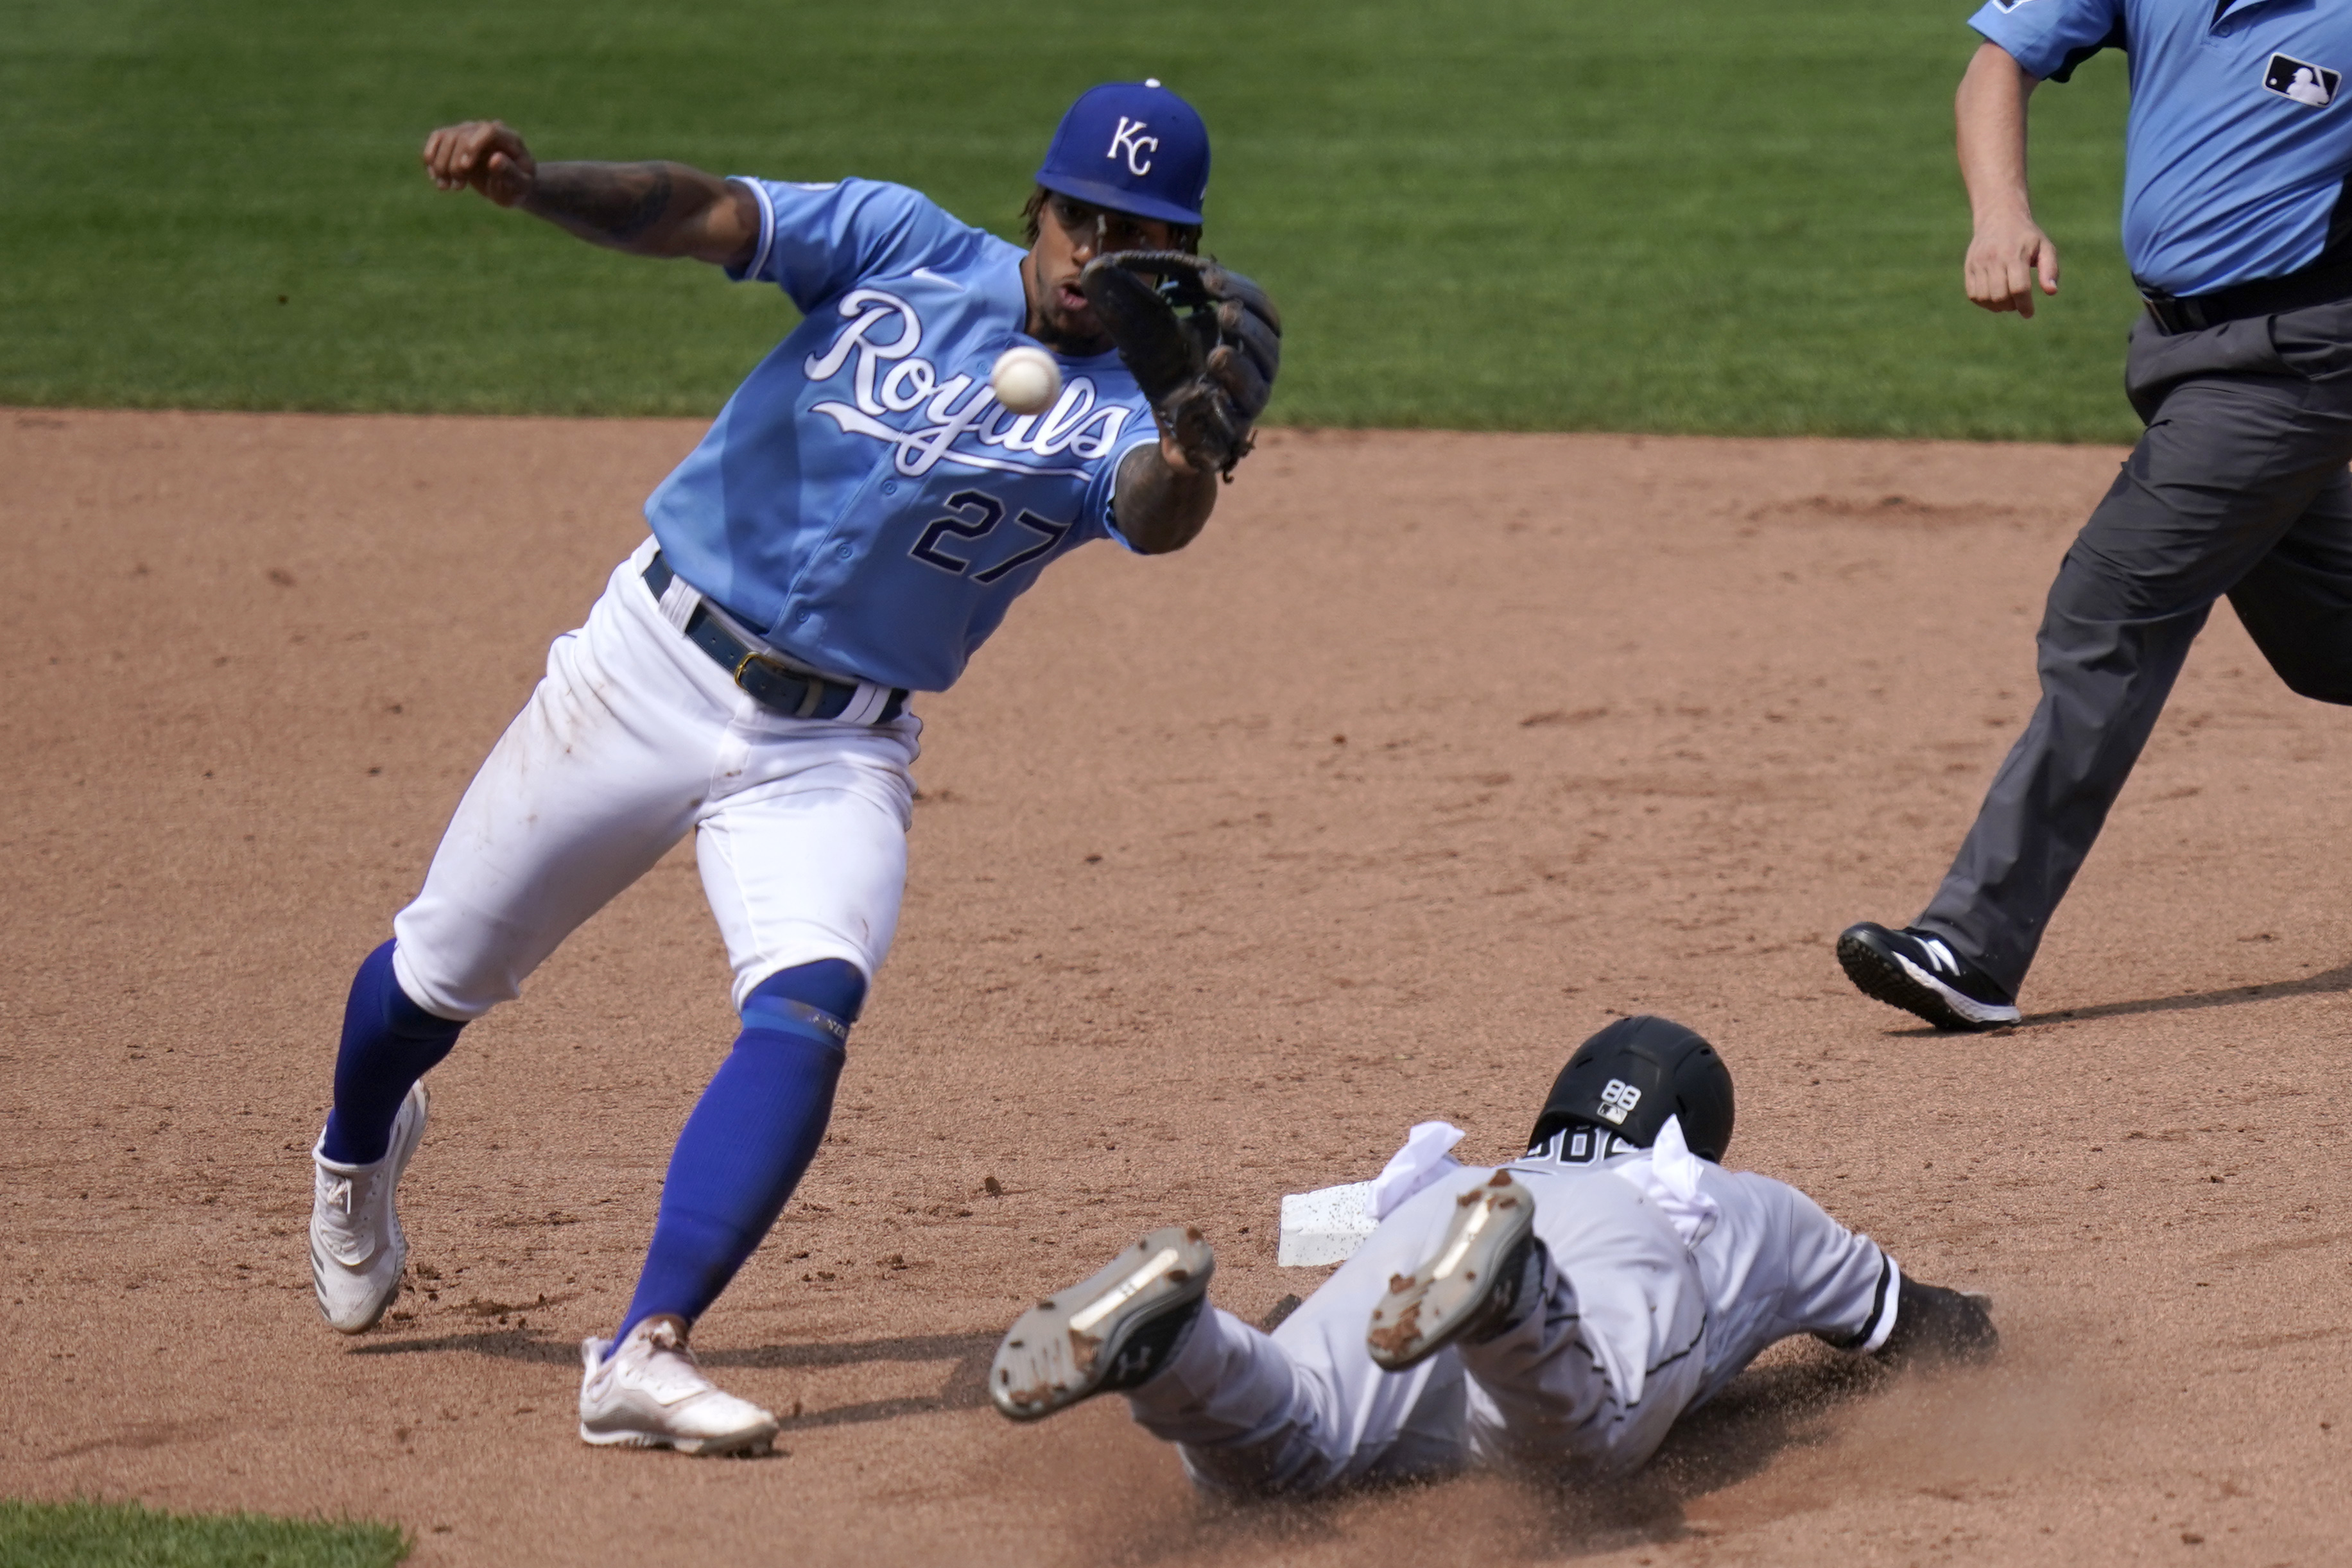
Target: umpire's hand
[
  {"x": 2007, "y": 258},
  {"x": 487, "y": 154},
  {"x": 2010, "y": 254}
]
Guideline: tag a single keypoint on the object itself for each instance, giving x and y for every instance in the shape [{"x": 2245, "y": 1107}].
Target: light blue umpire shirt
[
  {"x": 2241, "y": 130},
  {"x": 862, "y": 501}
]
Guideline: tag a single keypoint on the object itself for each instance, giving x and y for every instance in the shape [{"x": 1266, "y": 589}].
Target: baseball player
[
  {"x": 1560, "y": 1312},
  {"x": 2239, "y": 233},
  {"x": 855, "y": 523}
]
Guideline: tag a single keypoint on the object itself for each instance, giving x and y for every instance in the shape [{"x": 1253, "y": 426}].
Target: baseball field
[{"x": 1598, "y": 631}]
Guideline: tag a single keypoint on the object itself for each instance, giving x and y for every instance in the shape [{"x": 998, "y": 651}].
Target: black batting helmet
[{"x": 1630, "y": 1077}]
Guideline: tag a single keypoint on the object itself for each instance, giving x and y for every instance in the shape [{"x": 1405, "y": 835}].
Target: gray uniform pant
[
  {"x": 2237, "y": 487},
  {"x": 1590, "y": 1382}
]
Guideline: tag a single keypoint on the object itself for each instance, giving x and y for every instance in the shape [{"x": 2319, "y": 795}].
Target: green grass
[
  {"x": 1685, "y": 215},
  {"x": 126, "y": 1535}
]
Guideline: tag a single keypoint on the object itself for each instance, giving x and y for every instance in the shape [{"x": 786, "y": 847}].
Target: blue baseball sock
[
  {"x": 750, "y": 1138},
  {"x": 389, "y": 1043}
]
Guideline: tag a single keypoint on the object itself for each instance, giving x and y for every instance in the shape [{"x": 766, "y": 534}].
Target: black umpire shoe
[
  {"x": 1115, "y": 1330},
  {"x": 1919, "y": 972}
]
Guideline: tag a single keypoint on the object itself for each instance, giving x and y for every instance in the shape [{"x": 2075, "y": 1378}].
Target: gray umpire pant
[{"x": 2238, "y": 487}]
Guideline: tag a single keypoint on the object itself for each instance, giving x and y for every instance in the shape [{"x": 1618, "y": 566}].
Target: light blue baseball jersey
[
  {"x": 2239, "y": 139},
  {"x": 863, "y": 501}
]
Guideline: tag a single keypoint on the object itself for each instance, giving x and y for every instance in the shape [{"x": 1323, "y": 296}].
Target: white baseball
[{"x": 1025, "y": 380}]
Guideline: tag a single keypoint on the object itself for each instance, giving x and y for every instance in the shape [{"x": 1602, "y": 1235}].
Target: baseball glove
[{"x": 1207, "y": 372}]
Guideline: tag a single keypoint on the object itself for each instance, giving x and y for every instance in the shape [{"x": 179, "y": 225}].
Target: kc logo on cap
[
  {"x": 1129, "y": 138},
  {"x": 2307, "y": 83},
  {"x": 1131, "y": 147}
]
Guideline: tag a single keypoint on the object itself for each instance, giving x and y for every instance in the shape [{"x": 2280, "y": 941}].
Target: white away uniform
[{"x": 1667, "y": 1276}]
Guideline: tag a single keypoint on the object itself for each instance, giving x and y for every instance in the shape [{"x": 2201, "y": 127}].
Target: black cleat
[
  {"x": 1919, "y": 973},
  {"x": 1116, "y": 1330}
]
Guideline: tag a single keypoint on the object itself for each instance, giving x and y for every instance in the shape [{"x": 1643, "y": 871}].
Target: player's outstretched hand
[
  {"x": 1934, "y": 1325},
  {"x": 487, "y": 154},
  {"x": 1208, "y": 372}
]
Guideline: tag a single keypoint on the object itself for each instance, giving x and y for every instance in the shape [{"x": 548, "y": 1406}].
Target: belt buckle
[
  {"x": 753, "y": 656},
  {"x": 811, "y": 688},
  {"x": 2175, "y": 314}
]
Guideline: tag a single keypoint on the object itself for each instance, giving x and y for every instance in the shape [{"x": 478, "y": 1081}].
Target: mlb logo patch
[
  {"x": 1618, "y": 1099},
  {"x": 2302, "y": 81}
]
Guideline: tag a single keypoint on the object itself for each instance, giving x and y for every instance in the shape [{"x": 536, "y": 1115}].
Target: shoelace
[
  {"x": 667, "y": 1369},
  {"x": 348, "y": 1240}
]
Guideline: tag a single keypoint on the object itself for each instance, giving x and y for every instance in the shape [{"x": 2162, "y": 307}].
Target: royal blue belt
[{"x": 764, "y": 678}]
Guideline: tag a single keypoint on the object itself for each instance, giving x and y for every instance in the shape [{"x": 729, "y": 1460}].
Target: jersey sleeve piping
[
  {"x": 767, "y": 228},
  {"x": 2049, "y": 39},
  {"x": 2114, "y": 40},
  {"x": 1883, "y": 1307}
]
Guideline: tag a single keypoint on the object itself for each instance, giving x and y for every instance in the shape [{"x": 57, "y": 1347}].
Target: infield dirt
[{"x": 1434, "y": 753}]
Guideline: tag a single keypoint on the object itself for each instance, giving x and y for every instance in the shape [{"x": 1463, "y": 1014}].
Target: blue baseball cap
[{"x": 1133, "y": 146}]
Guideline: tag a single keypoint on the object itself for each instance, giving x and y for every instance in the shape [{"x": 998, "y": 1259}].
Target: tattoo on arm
[
  {"x": 611, "y": 204},
  {"x": 1157, "y": 508}
]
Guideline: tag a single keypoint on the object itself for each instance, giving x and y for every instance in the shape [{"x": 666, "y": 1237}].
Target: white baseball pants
[
  {"x": 634, "y": 738},
  {"x": 1593, "y": 1379}
]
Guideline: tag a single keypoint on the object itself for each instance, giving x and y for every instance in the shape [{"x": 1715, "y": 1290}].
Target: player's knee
[
  {"x": 1247, "y": 1471},
  {"x": 381, "y": 1002},
  {"x": 447, "y": 976},
  {"x": 834, "y": 987}
]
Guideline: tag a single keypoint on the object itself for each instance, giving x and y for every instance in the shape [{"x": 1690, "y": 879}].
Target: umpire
[{"x": 2239, "y": 230}]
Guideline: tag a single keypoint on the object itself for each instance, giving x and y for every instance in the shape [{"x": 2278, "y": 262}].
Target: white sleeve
[{"x": 1835, "y": 1284}]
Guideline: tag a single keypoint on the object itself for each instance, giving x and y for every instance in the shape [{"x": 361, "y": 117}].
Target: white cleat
[
  {"x": 1470, "y": 1287},
  {"x": 1115, "y": 1330},
  {"x": 357, "y": 1247},
  {"x": 649, "y": 1393}
]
